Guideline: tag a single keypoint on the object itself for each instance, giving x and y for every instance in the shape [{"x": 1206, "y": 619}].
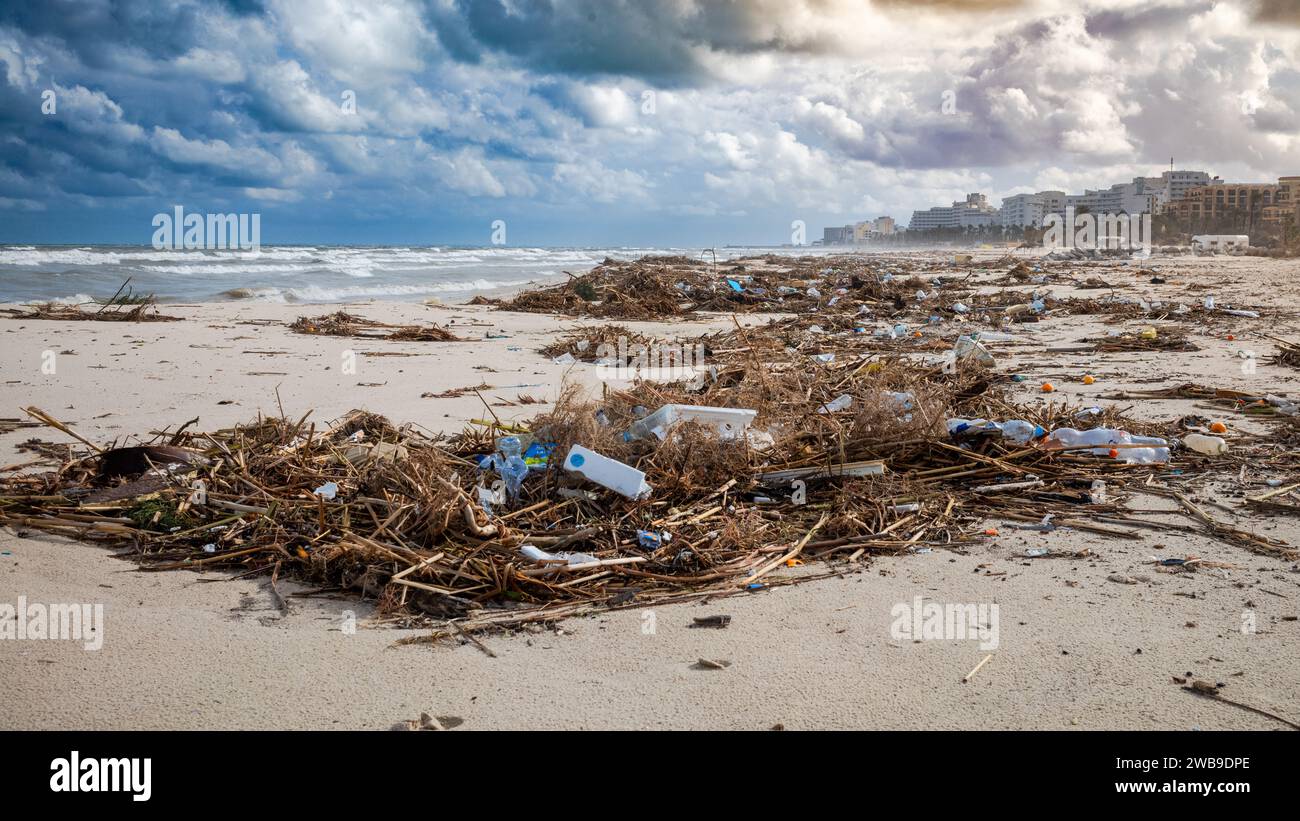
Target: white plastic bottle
[
  {"x": 1208, "y": 445},
  {"x": 611, "y": 473}
]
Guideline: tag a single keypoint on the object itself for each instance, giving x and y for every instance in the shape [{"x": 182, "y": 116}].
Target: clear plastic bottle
[
  {"x": 510, "y": 464},
  {"x": 1102, "y": 440},
  {"x": 969, "y": 347},
  {"x": 1020, "y": 432}
]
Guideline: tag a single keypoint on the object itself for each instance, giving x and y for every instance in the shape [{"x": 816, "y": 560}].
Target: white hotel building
[{"x": 975, "y": 211}]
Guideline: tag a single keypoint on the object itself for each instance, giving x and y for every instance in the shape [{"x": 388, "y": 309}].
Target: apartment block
[
  {"x": 974, "y": 211},
  {"x": 1263, "y": 202}
]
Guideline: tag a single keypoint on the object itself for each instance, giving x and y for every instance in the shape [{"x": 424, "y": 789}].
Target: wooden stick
[{"x": 972, "y": 673}]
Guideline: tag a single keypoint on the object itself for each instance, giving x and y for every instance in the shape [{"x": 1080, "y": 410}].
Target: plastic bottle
[
  {"x": 1100, "y": 441},
  {"x": 1159, "y": 454},
  {"x": 611, "y": 473},
  {"x": 969, "y": 347},
  {"x": 958, "y": 427},
  {"x": 1284, "y": 406},
  {"x": 1020, "y": 431},
  {"x": 839, "y": 403},
  {"x": 1208, "y": 445},
  {"x": 510, "y": 464}
]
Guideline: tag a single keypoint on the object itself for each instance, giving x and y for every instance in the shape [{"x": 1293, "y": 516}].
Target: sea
[{"x": 306, "y": 273}]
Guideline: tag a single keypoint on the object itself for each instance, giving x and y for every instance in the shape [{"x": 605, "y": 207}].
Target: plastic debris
[
  {"x": 538, "y": 555},
  {"x": 728, "y": 422},
  {"x": 651, "y": 539},
  {"x": 968, "y": 347},
  {"x": 508, "y": 462},
  {"x": 610, "y": 473},
  {"x": 327, "y": 491},
  {"x": 839, "y": 403},
  {"x": 1105, "y": 440},
  {"x": 1207, "y": 445}
]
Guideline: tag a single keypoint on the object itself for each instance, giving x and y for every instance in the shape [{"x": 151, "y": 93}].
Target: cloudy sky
[{"x": 617, "y": 122}]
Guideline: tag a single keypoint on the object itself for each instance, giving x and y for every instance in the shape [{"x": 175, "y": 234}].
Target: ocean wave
[{"x": 325, "y": 293}]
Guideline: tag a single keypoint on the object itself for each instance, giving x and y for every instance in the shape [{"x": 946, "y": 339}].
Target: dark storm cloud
[
  {"x": 649, "y": 39},
  {"x": 1126, "y": 24},
  {"x": 96, "y": 30},
  {"x": 528, "y": 106}
]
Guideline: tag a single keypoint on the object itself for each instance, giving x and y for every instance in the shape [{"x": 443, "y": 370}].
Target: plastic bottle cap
[{"x": 576, "y": 460}]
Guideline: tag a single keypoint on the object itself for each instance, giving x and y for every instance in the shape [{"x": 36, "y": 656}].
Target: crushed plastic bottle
[
  {"x": 1017, "y": 430},
  {"x": 1284, "y": 406},
  {"x": 1103, "y": 440},
  {"x": 967, "y": 427},
  {"x": 968, "y": 347},
  {"x": 510, "y": 464},
  {"x": 839, "y": 403},
  {"x": 538, "y": 555},
  {"x": 1020, "y": 432}
]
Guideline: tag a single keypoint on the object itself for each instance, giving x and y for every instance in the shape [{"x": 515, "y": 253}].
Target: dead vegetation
[
  {"x": 845, "y": 457},
  {"x": 123, "y": 306},
  {"x": 341, "y": 323}
]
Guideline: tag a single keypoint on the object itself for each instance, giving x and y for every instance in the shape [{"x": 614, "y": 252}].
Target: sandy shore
[{"x": 184, "y": 650}]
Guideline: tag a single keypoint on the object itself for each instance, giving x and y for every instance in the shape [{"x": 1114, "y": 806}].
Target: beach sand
[{"x": 1075, "y": 651}]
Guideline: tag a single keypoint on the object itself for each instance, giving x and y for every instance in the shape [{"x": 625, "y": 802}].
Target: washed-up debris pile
[
  {"x": 341, "y": 323},
  {"x": 791, "y": 455}
]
